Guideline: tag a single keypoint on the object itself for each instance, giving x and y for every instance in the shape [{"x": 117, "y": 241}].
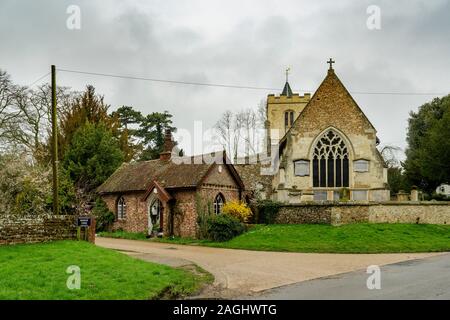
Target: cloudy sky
[{"x": 248, "y": 43}]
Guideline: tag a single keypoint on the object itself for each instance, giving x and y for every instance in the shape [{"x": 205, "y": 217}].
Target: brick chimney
[{"x": 168, "y": 146}]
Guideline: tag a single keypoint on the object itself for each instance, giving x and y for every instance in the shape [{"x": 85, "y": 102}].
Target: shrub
[
  {"x": 223, "y": 227},
  {"x": 104, "y": 218},
  {"x": 24, "y": 187},
  {"x": 238, "y": 210},
  {"x": 267, "y": 211}
]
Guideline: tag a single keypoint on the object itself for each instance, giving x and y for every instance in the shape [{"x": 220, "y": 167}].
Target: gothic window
[
  {"x": 288, "y": 118},
  {"x": 218, "y": 203},
  {"x": 330, "y": 162},
  {"x": 121, "y": 208}
]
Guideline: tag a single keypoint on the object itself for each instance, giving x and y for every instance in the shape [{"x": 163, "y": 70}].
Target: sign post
[{"x": 83, "y": 223}]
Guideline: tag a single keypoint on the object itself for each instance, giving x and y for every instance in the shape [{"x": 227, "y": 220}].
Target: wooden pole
[{"x": 54, "y": 145}]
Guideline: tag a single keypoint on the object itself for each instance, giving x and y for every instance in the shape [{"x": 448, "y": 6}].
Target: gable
[
  {"x": 221, "y": 176},
  {"x": 333, "y": 106}
]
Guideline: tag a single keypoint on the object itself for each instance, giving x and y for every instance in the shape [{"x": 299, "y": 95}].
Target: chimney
[{"x": 168, "y": 146}]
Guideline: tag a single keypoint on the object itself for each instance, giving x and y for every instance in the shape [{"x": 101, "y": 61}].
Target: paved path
[
  {"x": 243, "y": 272},
  {"x": 418, "y": 279}
]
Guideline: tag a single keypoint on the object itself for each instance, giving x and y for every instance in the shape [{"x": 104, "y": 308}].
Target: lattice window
[
  {"x": 330, "y": 162},
  {"x": 121, "y": 208},
  {"x": 218, "y": 203}
]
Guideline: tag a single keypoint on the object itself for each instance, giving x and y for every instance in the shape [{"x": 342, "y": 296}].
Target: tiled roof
[{"x": 177, "y": 173}]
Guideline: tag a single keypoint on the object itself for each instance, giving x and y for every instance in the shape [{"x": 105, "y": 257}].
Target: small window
[
  {"x": 121, "y": 208},
  {"x": 288, "y": 118},
  {"x": 361, "y": 166},
  {"x": 218, "y": 203},
  {"x": 359, "y": 195},
  {"x": 301, "y": 168}
]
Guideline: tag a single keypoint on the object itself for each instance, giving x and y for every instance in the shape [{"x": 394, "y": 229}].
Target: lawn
[
  {"x": 351, "y": 238},
  {"x": 38, "y": 272}
]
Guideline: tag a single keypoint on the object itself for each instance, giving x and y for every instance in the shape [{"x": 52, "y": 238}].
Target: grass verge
[{"x": 38, "y": 272}]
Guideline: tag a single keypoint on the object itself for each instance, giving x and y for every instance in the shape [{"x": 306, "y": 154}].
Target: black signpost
[{"x": 85, "y": 223}]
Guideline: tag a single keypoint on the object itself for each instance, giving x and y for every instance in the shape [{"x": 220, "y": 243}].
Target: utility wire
[
  {"x": 238, "y": 86},
  {"x": 44, "y": 76}
]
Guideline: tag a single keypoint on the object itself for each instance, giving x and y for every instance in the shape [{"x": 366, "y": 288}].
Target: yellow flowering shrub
[{"x": 237, "y": 209}]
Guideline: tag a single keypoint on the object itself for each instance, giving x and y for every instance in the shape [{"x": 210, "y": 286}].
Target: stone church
[
  {"x": 324, "y": 147},
  {"x": 327, "y": 146}
]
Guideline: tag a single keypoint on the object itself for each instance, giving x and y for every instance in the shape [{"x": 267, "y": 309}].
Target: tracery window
[
  {"x": 218, "y": 203},
  {"x": 330, "y": 162}
]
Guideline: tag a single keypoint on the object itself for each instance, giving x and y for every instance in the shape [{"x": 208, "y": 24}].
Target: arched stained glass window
[{"x": 330, "y": 162}]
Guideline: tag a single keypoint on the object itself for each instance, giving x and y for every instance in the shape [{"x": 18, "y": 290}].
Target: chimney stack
[{"x": 168, "y": 146}]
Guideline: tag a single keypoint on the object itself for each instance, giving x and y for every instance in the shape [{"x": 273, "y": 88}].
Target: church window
[
  {"x": 289, "y": 118},
  {"x": 330, "y": 162},
  {"x": 361, "y": 165},
  {"x": 121, "y": 208},
  {"x": 301, "y": 168},
  {"x": 218, "y": 203}
]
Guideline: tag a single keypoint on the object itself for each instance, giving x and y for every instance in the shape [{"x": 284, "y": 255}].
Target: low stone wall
[
  {"x": 358, "y": 212},
  {"x": 15, "y": 229}
]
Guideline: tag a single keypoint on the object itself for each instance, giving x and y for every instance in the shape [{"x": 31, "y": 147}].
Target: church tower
[{"x": 283, "y": 109}]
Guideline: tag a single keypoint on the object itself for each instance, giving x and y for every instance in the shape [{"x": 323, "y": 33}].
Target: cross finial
[
  {"x": 287, "y": 73},
  {"x": 330, "y": 62}
]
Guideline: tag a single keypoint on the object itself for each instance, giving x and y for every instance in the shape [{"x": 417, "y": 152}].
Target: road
[
  {"x": 414, "y": 279},
  {"x": 243, "y": 273}
]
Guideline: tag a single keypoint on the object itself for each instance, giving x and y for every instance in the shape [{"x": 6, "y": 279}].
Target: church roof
[
  {"x": 287, "y": 91},
  {"x": 186, "y": 172},
  {"x": 330, "y": 81}
]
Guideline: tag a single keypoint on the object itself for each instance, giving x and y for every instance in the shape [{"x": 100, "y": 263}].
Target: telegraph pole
[{"x": 54, "y": 144}]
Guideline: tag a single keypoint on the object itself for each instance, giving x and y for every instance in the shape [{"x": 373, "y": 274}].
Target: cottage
[{"x": 166, "y": 196}]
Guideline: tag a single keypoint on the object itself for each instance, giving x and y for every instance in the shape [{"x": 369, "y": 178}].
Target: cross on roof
[
  {"x": 330, "y": 62},
  {"x": 287, "y": 74}
]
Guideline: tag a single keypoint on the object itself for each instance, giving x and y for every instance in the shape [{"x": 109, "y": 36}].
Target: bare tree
[{"x": 389, "y": 154}]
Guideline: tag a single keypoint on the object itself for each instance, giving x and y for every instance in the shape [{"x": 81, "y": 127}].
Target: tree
[
  {"x": 128, "y": 116},
  {"x": 24, "y": 187},
  {"x": 241, "y": 132},
  {"x": 151, "y": 132},
  {"x": 427, "y": 157},
  {"x": 93, "y": 155}
]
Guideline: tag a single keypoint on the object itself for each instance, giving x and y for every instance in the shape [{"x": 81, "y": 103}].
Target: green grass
[
  {"x": 38, "y": 272},
  {"x": 351, "y": 238}
]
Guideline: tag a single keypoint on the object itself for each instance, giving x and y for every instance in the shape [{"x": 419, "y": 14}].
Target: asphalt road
[{"x": 415, "y": 279}]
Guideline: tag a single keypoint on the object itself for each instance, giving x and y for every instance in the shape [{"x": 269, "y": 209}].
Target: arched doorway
[
  {"x": 155, "y": 212},
  {"x": 330, "y": 161}
]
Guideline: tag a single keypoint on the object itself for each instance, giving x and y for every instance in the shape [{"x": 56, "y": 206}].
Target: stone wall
[
  {"x": 382, "y": 212},
  {"x": 15, "y": 229}
]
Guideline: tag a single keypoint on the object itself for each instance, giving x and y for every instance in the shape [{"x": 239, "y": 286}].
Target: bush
[
  {"x": 104, "y": 218},
  {"x": 223, "y": 227},
  {"x": 24, "y": 187},
  {"x": 238, "y": 210},
  {"x": 267, "y": 211}
]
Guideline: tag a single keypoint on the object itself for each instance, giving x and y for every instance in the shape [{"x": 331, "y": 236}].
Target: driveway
[
  {"x": 242, "y": 272},
  {"x": 409, "y": 280}
]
